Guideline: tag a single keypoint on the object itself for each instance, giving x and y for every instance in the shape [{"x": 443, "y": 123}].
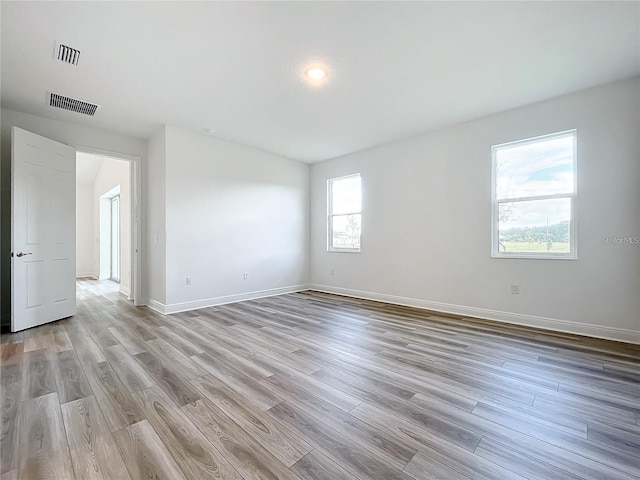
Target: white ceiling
[
  {"x": 87, "y": 168},
  {"x": 397, "y": 68}
]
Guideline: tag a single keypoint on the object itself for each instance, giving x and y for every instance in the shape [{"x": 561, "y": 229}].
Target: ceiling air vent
[
  {"x": 67, "y": 54},
  {"x": 72, "y": 104}
]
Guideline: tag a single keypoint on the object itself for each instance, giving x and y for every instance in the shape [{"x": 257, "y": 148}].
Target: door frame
[{"x": 135, "y": 177}]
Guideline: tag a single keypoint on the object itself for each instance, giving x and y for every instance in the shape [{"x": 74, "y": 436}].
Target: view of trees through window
[
  {"x": 534, "y": 194},
  {"x": 345, "y": 217}
]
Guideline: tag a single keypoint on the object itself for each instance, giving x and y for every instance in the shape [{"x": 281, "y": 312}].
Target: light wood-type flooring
[{"x": 312, "y": 386}]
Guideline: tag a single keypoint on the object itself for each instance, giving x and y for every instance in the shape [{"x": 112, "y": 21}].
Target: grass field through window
[{"x": 534, "y": 247}]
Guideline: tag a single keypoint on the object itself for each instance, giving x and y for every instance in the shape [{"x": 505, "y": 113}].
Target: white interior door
[{"x": 43, "y": 230}]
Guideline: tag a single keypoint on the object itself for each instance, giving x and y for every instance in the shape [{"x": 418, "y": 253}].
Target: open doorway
[{"x": 104, "y": 249}]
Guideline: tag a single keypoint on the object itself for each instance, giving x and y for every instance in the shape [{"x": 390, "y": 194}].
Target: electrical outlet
[
  {"x": 515, "y": 289},
  {"x": 332, "y": 272},
  {"x": 245, "y": 276},
  {"x": 187, "y": 281}
]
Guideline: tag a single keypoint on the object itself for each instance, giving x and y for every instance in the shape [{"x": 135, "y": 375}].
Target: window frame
[
  {"x": 330, "y": 215},
  {"x": 495, "y": 221}
]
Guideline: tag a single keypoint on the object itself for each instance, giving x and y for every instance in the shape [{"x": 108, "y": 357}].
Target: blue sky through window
[
  {"x": 535, "y": 168},
  {"x": 540, "y": 167}
]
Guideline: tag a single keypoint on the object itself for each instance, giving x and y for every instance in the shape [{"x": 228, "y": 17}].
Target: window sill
[{"x": 536, "y": 256}]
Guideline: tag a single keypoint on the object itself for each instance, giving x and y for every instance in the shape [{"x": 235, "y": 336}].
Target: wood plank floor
[{"x": 311, "y": 386}]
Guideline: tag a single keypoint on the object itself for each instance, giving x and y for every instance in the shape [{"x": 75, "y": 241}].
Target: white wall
[
  {"x": 114, "y": 173},
  {"x": 84, "y": 231},
  {"x": 65, "y": 132},
  {"x": 154, "y": 184},
  {"x": 426, "y": 221},
  {"x": 230, "y": 210}
]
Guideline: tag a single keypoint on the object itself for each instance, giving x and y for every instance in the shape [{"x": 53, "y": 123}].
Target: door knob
[{"x": 20, "y": 254}]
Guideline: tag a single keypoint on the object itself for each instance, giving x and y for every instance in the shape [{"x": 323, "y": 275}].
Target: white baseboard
[
  {"x": 155, "y": 305},
  {"x": 212, "y": 302},
  {"x": 566, "y": 326},
  {"x": 86, "y": 275},
  {"x": 125, "y": 291}
]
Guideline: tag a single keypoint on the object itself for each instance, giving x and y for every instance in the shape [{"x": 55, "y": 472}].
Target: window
[
  {"x": 115, "y": 238},
  {"x": 345, "y": 213},
  {"x": 534, "y": 188}
]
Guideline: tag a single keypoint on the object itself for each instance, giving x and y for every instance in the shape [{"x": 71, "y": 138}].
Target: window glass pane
[
  {"x": 537, "y": 226},
  {"x": 540, "y": 167},
  {"x": 346, "y": 196},
  {"x": 115, "y": 238},
  {"x": 346, "y": 231}
]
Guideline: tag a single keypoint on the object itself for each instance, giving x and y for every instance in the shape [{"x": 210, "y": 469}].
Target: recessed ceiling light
[{"x": 316, "y": 73}]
